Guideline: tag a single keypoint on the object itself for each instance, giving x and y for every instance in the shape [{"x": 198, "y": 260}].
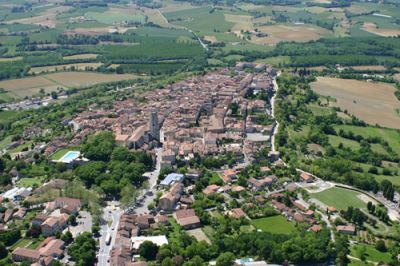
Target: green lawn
[
  {"x": 215, "y": 179},
  {"x": 209, "y": 231},
  {"x": 319, "y": 110},
  {"x": 29, "y": 182},
  {"x": 348, "y": 143},
  {"x": 394, "y": 179},
  {"x": 7, "y": 115},
  {"x": 340, "y": 198},
  {"x": 23, "y": 242},
  {"x": 4, "y": 142},
  {"x": 370, "y": 252},
  {"x": 274, "y": 224},
  {"x": 60, "y": 153}
]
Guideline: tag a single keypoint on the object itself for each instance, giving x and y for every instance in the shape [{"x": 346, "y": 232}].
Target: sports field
[
  {"x": 374, "y": 103},
  {"x": 340, "y": 198},
  {"x": 274, "y": 224}
]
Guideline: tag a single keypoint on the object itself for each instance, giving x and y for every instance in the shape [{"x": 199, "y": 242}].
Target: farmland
[
  {"x": 375, "y": 103},
  {"x": 20, "y": 88},
  {"x": 298, "y": 33},
  {"x": 80, "y": 56},
  {"x": 77, "y": 66}
]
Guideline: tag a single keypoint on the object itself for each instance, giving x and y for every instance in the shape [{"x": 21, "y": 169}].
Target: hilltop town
[
  {"x": 189, "y": 117},
  {"x": 203, "y": 156}
]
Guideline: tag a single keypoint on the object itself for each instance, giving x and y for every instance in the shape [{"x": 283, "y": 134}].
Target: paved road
[
  {"x": 276, "y": 128},
  {"x": 111, "y": 213},
  {"x": 147, "y": 197}
]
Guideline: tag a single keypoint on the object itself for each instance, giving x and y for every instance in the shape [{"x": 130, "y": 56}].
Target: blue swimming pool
[{"x": 70, "y": 156}]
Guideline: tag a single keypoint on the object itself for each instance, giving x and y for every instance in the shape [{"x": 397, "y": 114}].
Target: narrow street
[
  {"x": 276, "y": 128},
  {"x": 111, "y": 213}
]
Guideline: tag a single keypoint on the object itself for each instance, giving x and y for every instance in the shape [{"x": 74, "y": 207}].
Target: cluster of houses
[
  {"x": 53, "y": 220},
  {"x": 44, "y": 255},
  {"x": 298, "y": 212},
  {"x": 131, "y": 227}
]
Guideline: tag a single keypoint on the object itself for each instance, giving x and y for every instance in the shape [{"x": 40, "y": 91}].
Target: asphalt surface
[{"x": 113, "y": 213}]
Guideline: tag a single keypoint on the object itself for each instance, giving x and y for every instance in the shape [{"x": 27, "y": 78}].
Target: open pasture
[
  {"x": 372, "y": 67},
  {"x": 83, "y": 79},
  {"x": 80, "y": 56},
  {"x": 370, "y": 253},
  {"x": 97, "y": 30},
  {"x": 27, "y": 87},
  {"x": 296, "y": 33},
  {"x": 242, "y": 22},
  {"x": 47, "y": 18},
  {"x": 178, "y": 6},
  {"x": 392, "y": 136},
  {"x": 201, "y": 21},
  {"x": 54, "y": 68},
  {"x": 20, "y": 88},
  {"x": 117, "y": 16},
  {"x": 384, "y": 32},
  {"x": 374, "y": 103},
  {"x": 11, "y": 59}
]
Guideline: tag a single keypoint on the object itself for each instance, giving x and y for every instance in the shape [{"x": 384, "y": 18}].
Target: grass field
[
  {"x": 29, "y": 182},
  {"x": 80, "y": 56},
  {"x": 60, "y": 153},
  {"x": 31, "y": 243},
  {"x": 373, "y": 28},
  {"x": 368, "y": 67},
  {"x": 201, "y": 21},
  {"x": 117, "y": 15},
  {"x": 274, "y": 224},
  {"x": 282, "y": 32},
  {"x": 392, "y": 136},
  {"x": 370, "y": 253},
  {"x": 54, "y": 68},
  {"x": 374, "y": 103},
  {"x": 7, "y": 115},
  {"x": 11, "y": 59},
  {"x": 276, "y": 60},
  {"x": 336, "y": 140},
  {"x": 340, "y": 198}
]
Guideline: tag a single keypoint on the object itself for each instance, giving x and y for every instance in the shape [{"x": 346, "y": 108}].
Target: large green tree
[{"x": 99, "y": 147}]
